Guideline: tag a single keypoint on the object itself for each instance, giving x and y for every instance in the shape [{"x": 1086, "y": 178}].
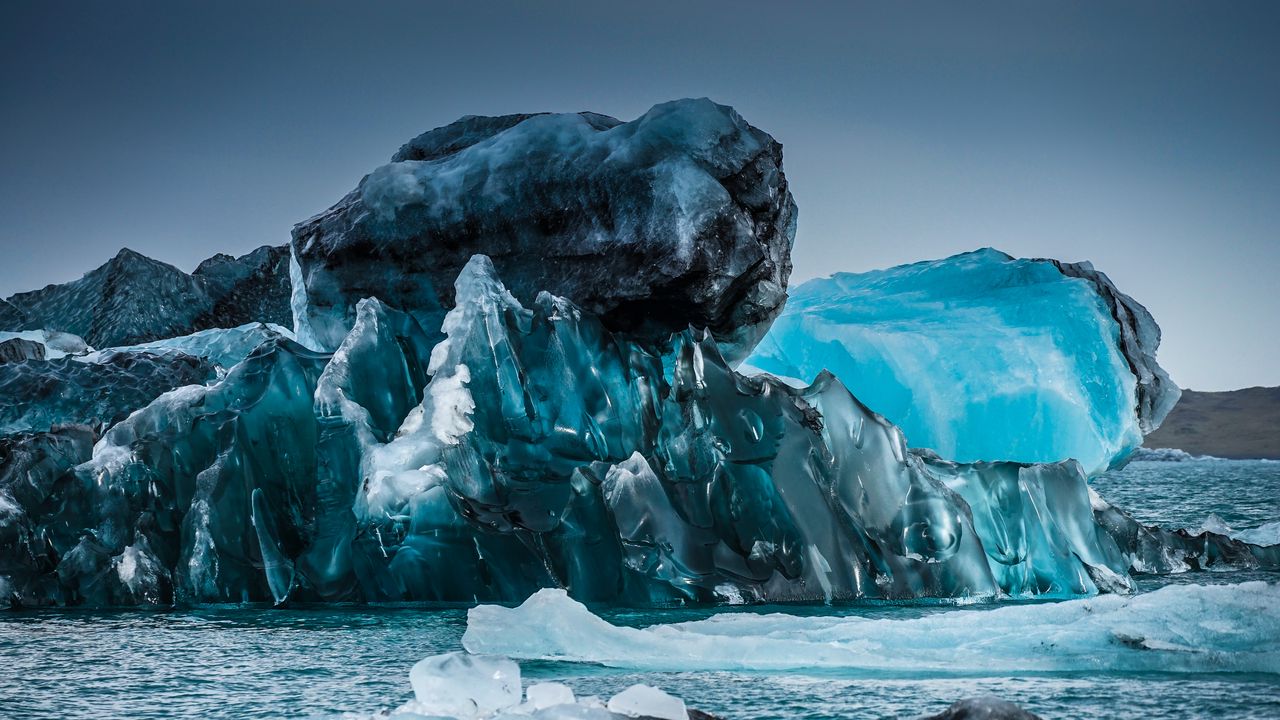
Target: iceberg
[
  {"x": 982, "y": 356},
  {"x": 1178, "y": 628},
  {"x": 533, "y": 448},
  {"x": 680, "y": 217}
]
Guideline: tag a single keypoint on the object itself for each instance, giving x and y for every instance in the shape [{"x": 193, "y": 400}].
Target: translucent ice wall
[{"x": 982, "y": 356}]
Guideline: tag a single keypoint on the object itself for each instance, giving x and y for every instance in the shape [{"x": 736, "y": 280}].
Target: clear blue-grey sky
[{"x": 1144, "y": 136}]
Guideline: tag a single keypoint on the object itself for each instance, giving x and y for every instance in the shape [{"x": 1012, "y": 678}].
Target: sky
[{"x": 1142, "y": 136}]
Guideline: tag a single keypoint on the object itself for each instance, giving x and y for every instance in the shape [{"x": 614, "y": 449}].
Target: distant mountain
[
  {"x": 133, "y": 298},
  {"x": 1233, "y": 424}
]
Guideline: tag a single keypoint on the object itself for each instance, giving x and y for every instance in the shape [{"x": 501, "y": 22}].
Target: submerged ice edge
[{"x": 1181, "y": 628}]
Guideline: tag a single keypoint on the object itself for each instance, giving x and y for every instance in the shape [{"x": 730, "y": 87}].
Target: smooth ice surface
[
  {"x": 982, "y": 356},
  {"x": 680, "y": 217},
  {"x": 649, "y": 702},
  {"x": 1179, "y": 628},
  {"x": 465, "y": 685}
]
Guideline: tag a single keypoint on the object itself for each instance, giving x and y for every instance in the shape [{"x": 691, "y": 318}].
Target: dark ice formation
[
  {"x": 531, "y": 448},
  {"x": 680, "y": 217},
  {"x": 38, "y": 394},
  {"x": 1139, "y": 340},
  {"x": 254, "y": 287},
  {"x": 133, "y": 299},
  {"x": 18, "y": 349},
  {"x": 983, "y": 708}
]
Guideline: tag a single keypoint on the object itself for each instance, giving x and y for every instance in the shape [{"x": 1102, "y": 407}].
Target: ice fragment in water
[
  {"x": 462, "y": 685},
  {"x": 648, "y": 702},
  {"x": 1178, "y": 628}
]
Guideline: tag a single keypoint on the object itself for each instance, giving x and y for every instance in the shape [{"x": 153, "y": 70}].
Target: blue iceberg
[{"x": 982, "y": 356}]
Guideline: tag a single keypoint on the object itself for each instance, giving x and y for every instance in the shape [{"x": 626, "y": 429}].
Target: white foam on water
[{"x": 1180, "y": 628}]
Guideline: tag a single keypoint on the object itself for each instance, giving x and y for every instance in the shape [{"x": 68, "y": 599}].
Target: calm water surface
[{"x": 262, "y": 663}]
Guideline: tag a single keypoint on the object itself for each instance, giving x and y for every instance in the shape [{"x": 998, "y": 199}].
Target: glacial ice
[
  {"x": 1178, "y": 628},
  {"x": 224, "y": 347},
  {"x": 533, "y": 448},
  {"x": 680, "y": 217},
  {"x": 39, "y": 394},
  {"x": 982, "y": 356}
]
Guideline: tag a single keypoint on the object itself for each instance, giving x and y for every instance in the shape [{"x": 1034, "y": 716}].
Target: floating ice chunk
[
  {"x": 1264, "y": 535},
  {"x": 648, "y": 702},
  {"x": 474, "y": 687},
  {"x": 545, "y": 695},
  {"x": 1166, "y": 455},
  {"x": 1178, "y": 628},
  {"x": 461, "y": 685}
]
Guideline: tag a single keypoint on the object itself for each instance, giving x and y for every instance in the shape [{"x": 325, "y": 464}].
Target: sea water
[{"x": 255, "y": 662}]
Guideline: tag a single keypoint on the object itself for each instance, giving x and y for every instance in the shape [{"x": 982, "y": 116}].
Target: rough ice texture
[
  {"x": 982, "y": 356},
  {"x": 17, "y": 349},
  {"x": 251, "y": 288},
  {"x": 544, "y": 451},
  {"x": 1178, "y": 628},
  {"x": 223, "y": 347},
  {"x": 133, "y": 299},
  {"x": 680, "y": 217},
  {"x": 39, "y": 394},
  {"x": 53, "y": 344}
]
